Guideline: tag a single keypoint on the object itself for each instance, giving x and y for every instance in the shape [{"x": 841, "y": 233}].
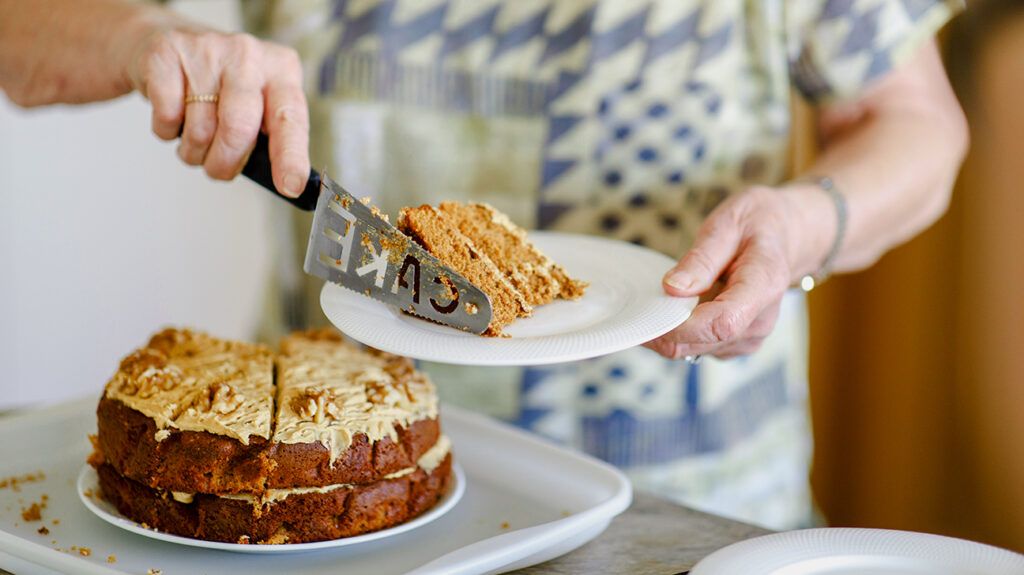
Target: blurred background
[{"x": 917, "y": 365}]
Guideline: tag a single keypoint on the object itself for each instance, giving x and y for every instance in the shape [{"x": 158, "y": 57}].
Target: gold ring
[{"x": 205, "y": 98}]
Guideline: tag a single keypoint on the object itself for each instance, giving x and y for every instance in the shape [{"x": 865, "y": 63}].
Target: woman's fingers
[
  {"x": 713, "y": 250},
  {"x": 745, "y": 309},
  {"x": 745, "y": 242},
  {"x": 239, "y": 114},
  {"x": 756, "y": 333},
  {"x": 247, "y": 84},
  {"x": 200, "y": 125},
  {"x": 286, "y": 119},
  {"x": 755, "y": 281},
  {"x": 747, "y": 343},
  {"x": 162, "y": 81}
]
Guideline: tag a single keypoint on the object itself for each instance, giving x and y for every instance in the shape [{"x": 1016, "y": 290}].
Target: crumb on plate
[
  {"x": 15, "y": 481},
  {"x": 33, "y": 512}
]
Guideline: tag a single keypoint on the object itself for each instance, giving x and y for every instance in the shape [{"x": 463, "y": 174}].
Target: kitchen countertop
[{"x": 654, "y": 536}]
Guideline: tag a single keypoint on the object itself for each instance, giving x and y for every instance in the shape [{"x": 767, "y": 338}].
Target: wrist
[{"x": 813, "y": 227}]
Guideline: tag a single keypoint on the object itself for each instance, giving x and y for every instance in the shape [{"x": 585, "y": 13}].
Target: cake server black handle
[{"x": 257, "y": 169}]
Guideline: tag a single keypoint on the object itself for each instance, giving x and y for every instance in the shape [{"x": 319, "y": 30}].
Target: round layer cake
[{"x": 229, "y": 441}]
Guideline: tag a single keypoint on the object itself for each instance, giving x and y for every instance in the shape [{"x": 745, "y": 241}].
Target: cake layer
[
  {"x": 190, "y": 461},
  {"x": 300, "y": 517},
  {"x": 439, "y": 235},
  {"x": 535, "y": 275}
]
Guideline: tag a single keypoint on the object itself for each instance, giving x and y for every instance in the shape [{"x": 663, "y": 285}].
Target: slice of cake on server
[
  {"x": 494, "y": 254},
  {"x": 197, "y": 437}
]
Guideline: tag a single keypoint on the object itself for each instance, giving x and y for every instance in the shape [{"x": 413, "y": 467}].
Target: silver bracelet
[{"x": 809, "y": 281}]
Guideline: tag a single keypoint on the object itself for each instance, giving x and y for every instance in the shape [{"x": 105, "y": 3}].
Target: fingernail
[
  {"x": 681, "y": 280},
  {"x": 292, "y": 185}
]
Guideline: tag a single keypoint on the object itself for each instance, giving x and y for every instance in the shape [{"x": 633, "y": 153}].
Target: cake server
[{"x": 353, "y": 245}]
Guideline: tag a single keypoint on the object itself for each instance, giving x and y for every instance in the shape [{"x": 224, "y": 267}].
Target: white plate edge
[
  {"x": 39, "y": 554},
  {"x": 728, "y": 556}
]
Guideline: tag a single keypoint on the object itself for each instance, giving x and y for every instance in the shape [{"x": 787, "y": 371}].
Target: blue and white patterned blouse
[{"x": 628, "y": 119}]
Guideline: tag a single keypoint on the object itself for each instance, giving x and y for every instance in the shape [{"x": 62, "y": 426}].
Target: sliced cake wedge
[
  {"x": 483, "y": 244},
  {"x": 435, "y": 231}
]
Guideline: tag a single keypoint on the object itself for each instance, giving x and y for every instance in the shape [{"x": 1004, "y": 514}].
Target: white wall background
[{"x": 105, "y": 237}]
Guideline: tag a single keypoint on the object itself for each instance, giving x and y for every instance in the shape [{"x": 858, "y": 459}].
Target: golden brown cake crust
[{"x": 299, "y": 518}]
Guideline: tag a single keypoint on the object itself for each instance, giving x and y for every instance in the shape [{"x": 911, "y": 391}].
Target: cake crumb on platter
[
  {"x": 111, "y": 558},
  {"x": 154, "y": 572},
  {"x": 33, "y": 512},
  {"x": 84, "y": 551},
  {"x": 14, "y": 482},
  {"x": 56, "y": 522},
  {"x": 43, "y": 530},
  {"x": 504, "y": 525}
]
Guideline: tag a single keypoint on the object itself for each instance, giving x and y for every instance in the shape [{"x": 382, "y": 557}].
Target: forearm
[
  {"x": 73, "y": 51},
  {"x": 895, "y": 157}
]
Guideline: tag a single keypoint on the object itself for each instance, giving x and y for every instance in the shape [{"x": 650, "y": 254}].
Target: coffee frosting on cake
[
  {"x": 191, "y": 381},
  {"x": 329, "y": 393},
  {"x": 326, "y": 392}
]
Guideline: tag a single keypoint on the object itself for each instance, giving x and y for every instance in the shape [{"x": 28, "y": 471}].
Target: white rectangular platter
[{"x": 526, "y": 501}]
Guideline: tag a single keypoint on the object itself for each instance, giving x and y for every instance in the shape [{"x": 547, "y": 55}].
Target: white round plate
[
  {"x": 623, "y": 307},
  {"x": 88, "y": 481},
  {"x": 859, "y": 552}
]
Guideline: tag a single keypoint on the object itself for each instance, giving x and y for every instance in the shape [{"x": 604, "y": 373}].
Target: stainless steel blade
[{"x": 351, "y": 245}]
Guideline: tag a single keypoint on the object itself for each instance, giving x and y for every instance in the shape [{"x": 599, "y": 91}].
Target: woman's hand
[
  {"x": 257, "y": 84},
  {"x": 748, "y": 251}
]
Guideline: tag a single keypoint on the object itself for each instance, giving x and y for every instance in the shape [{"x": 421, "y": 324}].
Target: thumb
[{"x": 714, "y": 249}]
